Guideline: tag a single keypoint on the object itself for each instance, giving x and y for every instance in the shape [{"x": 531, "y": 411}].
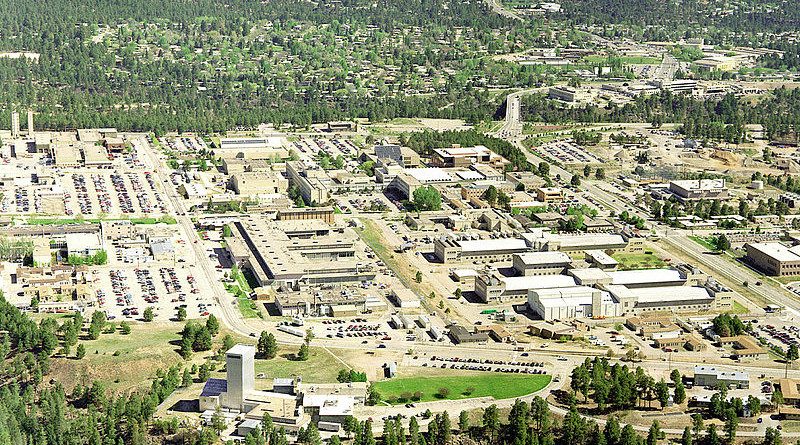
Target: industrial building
[
  {"x": 497, "y": 288},
  {"x": 541, "y": 263},
  {"x": 695, "y": 189},
  {"x": 449, "y": 249},
  {"x": 572, "y": 302},
  {"x": 630, "y": 292},
  {"x": 713, "y": 377},
  {"x": 292, "y": 255},
  {"x": 609, "y": 243},
  {"x": 774, "y": 258},
  {"x": 258, "y": 183}
]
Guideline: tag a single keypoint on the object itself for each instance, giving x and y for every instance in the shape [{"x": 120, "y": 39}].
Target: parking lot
[
  {"x": 128, "y": 291},
  {"x": 566, "y": 153},
  {"x": 521, "y": 365},
  {"x": 112, "y": 193}
]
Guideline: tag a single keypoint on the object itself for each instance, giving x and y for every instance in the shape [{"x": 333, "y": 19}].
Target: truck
[{"x": 297, "y": 321}]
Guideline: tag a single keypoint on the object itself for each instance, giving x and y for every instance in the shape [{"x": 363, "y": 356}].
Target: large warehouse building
[{"x": 694, "y": 189}]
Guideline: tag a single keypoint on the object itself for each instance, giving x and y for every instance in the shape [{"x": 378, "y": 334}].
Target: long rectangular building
[{"x": 449, "y": 249}]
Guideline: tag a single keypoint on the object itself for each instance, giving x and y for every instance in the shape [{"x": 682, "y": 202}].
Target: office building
[
  {"x": 549, "y": 194},
  {"x": 450, "y": 249},
  {"x": 457, "y": 156},
  {"x": 774, "y": 258}
]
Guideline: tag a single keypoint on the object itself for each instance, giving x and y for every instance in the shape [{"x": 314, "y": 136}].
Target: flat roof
[
  {"x": 588, "y": 239},
  {"x": 432, "y": 174},
  {"x": 700, "y": 184},
  {"x": 728, "y": 375},
  {"x": 776, "y": 251},
  {"x": 672, "y": 293},
  {"x": 572, "y": 296},
  {"x": 489, "y": 245},
  {"x": 601, "y": 257},
  {"x": 469, "y": 175},
  {"x": 645, "y": 276},
  {"x": 241, "y": 349},
  {"x": 553, "y": 257},
  {"x": 591, "y": 273},
  {"x": 538, "y": 282}
]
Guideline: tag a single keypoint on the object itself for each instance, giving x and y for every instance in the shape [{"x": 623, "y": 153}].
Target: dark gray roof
[
  {"x": 214, "y": 387},
  {"x": 388, "y": 152}
]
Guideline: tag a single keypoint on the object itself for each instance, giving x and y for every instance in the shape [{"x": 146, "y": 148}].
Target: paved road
[{"x": 499, "y": 9}]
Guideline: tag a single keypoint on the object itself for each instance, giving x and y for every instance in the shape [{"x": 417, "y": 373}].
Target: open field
[
  {"x": 321, "y": 367},
  {"x": 639, "y": 261},
  {"x": 122, "y": 362},
  {"x": 498, "y": 386}
]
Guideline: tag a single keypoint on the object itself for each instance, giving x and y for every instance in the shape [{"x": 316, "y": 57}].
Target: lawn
[
  {"x": 639, "y": 261},
  {"x": 246, "y": 307},
  {"x": 738, "y": 308},
  {"x": 498, "y": 386},
  {"x": 321, "y": 366},
  {"x": 703, "y": 242}
]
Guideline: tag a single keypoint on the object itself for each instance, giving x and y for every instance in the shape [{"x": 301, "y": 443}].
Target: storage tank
[{"x": 757, "y": 185}]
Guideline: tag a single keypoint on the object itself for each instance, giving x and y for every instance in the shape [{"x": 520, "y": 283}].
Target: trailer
[
  {"x": 436, "y": 333},
  {"x": 292, "y": 331},
  {"x": 396, "y": 322},
  {"x": 424, "y": 322},
  {"x": 407, "y": 323}
]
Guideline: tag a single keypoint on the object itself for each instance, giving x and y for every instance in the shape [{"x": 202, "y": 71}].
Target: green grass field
[
  {"x": 639, "y": 261},
  {"x": 498, "y": 386},
  {"x": 321, "y": 367},
  {"x": 703, "y": 242}
]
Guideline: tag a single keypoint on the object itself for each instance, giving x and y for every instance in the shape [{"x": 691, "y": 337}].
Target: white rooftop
[
  {"x": 242, "y": 349},
  {"x": 571, "y": 296},
  {"x": 628, "y": 277},
  {"x": 601, "y": 257},
  {"x": 712, "y": 370},
  {"x": 426, "y": 175},
  {"x": 554, "y": 257},
  {"x": 489, "y": 245},
  {"x": 538, "y": 282},
  {"x": 777, "y": 251},
  {"x": 671, "y": 293},
  {"x": 700, "y": 184}
]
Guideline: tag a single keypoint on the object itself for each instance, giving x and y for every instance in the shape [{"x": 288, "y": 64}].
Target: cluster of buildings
[
  {"x": 555, "y": 286},
  {"x": 291, "y": 404}
]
